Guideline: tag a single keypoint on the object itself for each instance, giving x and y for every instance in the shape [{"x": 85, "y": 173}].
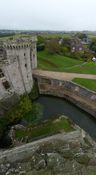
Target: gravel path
[
  {"x": 78, "y": 65},
  {"x": 62, "y": 75}
]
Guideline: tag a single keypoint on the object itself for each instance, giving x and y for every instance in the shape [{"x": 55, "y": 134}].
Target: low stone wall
[
  {"x": 58, "y": 154},
  {"x": 80, "y": 96},
  {"x": 23, "y": 152}
]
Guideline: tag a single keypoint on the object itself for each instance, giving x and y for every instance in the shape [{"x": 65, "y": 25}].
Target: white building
[{"x": 94, "y": 59}]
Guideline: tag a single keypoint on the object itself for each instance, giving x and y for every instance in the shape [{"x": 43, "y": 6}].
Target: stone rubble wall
[
  {"x": 23, "y": 152},
  {"x": 61, "y": 154}
]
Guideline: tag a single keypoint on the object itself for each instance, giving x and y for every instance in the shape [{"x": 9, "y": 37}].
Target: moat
[{"x": 54, "y": 106}]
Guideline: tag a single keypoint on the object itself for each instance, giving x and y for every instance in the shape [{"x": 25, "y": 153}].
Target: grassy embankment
[
  {"x": 32, "y": 113},
  {"x": 44, "y": 129},
  {"x": 64, "y": 64},
  {"x": 88, "y": 83},
  {"x": 67, "y": 64}
]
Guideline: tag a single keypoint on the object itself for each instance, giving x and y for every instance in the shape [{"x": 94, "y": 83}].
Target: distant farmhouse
[
  {"x": 76, "y": 44},
  {"x": 17, "y": 60},
  {"x": 94, "y": 59}
]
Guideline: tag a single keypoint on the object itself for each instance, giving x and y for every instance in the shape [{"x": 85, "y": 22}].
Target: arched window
[
  {"x": 6, "y": 84},
  {"x": 26, "y": 65},
  {"x": 1, "y": 73}
]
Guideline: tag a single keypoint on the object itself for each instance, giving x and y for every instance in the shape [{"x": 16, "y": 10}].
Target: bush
[
  {"x": 87, "y": 55},
  {"x": 15, "y": 114},
  {"x": 52, "y": 46},
  {"x": 34, "y": 92},
  {"x": 64, "y": 51},
  {"x": 19, "y": 110},
  {"x": 35, "y": 115},
  {"x": 41, "y": 47}
]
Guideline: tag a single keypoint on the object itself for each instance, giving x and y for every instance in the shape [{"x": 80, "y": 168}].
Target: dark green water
[{"x": 54, "y": 106}]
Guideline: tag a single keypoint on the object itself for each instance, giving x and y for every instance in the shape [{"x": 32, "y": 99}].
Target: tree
[
  {"x": 41, "y": 43},
  {"x": 41, "y": 39},
  {"x": 92, "y": 45},
  {"x": 19, "y": 110},
  {"x": 53, "y": 46},
  {"x": 87, "y": 55},
  {"x": 65, "y": 51},
  {"x": 34, "y": 92},
  {"x": 35, "y": 115},
  {"x": 80, "y": 35},
  {"x": 66, "y": 46},
  {"x": 66, "y": 42}
]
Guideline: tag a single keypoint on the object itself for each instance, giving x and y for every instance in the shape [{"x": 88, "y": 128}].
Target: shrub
[
  {"x": 34, "y": 92},
  {"x": 19, "y": 110},
  {"x": 35, "y": 115}
]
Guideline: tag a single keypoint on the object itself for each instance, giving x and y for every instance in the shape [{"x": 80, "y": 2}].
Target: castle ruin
[{"x": 17, "y": 59}]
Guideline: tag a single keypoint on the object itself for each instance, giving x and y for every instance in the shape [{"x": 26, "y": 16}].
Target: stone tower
[{"x": 17, "y": 59}]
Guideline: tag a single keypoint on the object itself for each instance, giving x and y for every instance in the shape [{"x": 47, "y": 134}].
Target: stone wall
[
  {"x": 82, "y": 97},
  {"x": 21, "y": 152},
  {"x": 60, "y": 154}
]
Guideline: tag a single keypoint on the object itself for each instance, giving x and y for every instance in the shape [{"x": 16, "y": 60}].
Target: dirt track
[{"x": 63, "y": 75}]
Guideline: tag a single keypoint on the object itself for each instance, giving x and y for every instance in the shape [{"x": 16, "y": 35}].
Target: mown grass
[
  {"x": 55, "y": 62},
  {"x": 48, "y": 128},
  {"x": 88, "y": 83},
  {"x": 64, "y": 64},
  {"x": 88, "y": 68}
]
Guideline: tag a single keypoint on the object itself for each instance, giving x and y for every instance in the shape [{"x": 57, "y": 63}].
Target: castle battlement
[{"x": 18, "y": 43}]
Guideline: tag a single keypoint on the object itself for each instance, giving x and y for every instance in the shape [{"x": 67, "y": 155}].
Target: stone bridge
[{"x": 60, "y": 85}]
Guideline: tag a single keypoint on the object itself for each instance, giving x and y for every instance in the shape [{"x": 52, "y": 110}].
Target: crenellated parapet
[
  {"x": 17, "y": 46},
  {"x": 21, "y": 43}
]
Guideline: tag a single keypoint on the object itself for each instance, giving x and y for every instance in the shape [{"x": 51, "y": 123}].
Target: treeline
[
  {"x": 6, "y": 35},
  {"x": 63, "y": 46}
]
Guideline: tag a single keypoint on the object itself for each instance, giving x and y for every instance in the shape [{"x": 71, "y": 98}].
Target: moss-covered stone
[{"x": 83, "y": 159}]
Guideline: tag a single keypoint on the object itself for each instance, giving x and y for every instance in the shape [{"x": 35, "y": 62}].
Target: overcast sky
[{"x": 48, "y": 14}]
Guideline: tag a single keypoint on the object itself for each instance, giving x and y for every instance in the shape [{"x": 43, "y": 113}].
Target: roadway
[{"x": 62, "y": 75}]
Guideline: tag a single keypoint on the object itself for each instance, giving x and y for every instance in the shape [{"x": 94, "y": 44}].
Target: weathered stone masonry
[
  {"x": 82, "y": 97},
  {"x": 17, "y": 59}
]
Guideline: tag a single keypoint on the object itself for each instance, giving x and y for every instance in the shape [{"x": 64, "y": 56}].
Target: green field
[
  {"x": 56, "y": 35},
  {"x": 15, "y": 36},
  {"x": 88, "y": 83},
  {"x": 55, "y": 62},
  {"x": 64, "y": 64}
]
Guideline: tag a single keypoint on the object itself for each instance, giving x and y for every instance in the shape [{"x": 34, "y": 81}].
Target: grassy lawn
[
  {"x": 55, "y": 62},
  {"x": 45, "y": 129},
  {"x": 88, "y": 83},
  {"x": 64, "y": 64},
  {"x": 88, "y": 68},
  {"x": 57, "y": 35}
]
